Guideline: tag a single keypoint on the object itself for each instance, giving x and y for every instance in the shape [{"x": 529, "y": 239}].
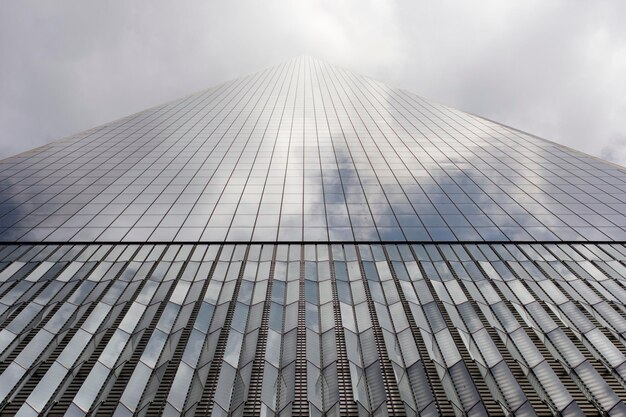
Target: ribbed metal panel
[{"x": 313, "y": 330}]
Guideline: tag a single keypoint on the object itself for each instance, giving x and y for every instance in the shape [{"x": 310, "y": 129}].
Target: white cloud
[{"x": 551, "y": 68}]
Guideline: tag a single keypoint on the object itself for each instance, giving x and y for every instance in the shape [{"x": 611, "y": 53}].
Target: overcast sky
[{"x": 556, "y": 69}]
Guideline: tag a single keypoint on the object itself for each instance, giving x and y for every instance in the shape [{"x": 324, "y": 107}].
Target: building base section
[{"x": 313, "y": 330}]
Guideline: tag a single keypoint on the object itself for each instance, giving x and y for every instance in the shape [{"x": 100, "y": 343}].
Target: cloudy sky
[{"x": 553, "y": 68}]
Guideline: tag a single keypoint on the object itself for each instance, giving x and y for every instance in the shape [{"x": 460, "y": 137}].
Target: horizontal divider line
[{"x": 323, "y": 242}]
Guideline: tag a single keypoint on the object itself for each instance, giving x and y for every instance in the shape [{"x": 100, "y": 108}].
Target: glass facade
[
  {"x": 313, "y": 329},
  {"x": 308, "y": 152},
  {"x": 305, "y": 241}
]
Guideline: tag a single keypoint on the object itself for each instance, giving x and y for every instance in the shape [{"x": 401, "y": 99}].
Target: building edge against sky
[{"x": 305, "y": 241}]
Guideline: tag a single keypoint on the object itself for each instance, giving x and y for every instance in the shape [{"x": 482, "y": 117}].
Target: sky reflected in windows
[{"x": 308, "y": 152}]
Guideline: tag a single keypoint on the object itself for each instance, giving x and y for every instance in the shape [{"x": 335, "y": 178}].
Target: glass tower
[{"x": 305, "y": 241}]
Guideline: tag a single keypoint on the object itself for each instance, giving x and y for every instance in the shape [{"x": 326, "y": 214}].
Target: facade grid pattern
[
  {"x": 308, "y": 242},
  {"x": 308, "y": 152}
]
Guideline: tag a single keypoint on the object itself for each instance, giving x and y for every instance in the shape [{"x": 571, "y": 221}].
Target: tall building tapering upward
[{"x": 305, "y": 241}]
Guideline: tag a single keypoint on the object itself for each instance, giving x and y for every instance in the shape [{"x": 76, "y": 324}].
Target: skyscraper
[{"x": 305, "y": 241}]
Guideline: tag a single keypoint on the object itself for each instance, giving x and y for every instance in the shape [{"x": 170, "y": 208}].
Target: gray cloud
[{"x": 555, "y": 69}]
